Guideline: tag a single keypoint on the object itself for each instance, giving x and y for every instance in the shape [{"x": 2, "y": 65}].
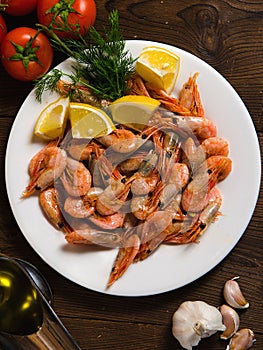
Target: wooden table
[{"x": 228, "y": 36}]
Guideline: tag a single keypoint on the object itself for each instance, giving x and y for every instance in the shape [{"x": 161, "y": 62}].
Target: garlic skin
[
  {"x": 194, "y": 320},
  {"x": 242, "y": 340},
  {"x": 233, "y": 295},
  {"x": 230, "y": 320}
]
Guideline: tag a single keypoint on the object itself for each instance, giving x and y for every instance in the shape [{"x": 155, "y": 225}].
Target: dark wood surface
[{"x": 228, "y": 35}]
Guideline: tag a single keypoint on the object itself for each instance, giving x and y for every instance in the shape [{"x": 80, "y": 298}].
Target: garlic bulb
[
  {"x": 242, "y": 340},
  {"x": 230, "y": 320},
  {"x": 233, "y": 294},
  {"x": 194, "y": 320}
]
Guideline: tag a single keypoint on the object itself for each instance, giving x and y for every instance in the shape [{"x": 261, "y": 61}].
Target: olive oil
[{"x": 20, "y": 303}]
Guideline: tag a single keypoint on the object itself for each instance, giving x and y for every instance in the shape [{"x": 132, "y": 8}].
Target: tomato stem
[
  {"x": 60, "y": 13},
  {"x": 56, "y": 39},
  {"x": 26, "y": 53}
]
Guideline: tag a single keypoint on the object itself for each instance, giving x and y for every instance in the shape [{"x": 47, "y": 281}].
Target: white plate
[{"x": 170, "y": 267}]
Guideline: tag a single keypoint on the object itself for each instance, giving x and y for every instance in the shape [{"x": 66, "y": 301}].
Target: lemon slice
[
  {"x": 52, "y": 120},
  {"x": 133, "y": 110},
  {"x": 159, "y": 67},
  {"x": 88, "y": 121}
]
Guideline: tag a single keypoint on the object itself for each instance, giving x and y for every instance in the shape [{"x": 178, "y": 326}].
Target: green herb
[
  {"x": 47, "y": 83},
  {"x": 103, "y": 66},
  {"x": 60, "y": 12}
]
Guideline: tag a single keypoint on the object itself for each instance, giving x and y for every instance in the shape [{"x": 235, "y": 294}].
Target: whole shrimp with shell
[{"x": 45, "y": 167}]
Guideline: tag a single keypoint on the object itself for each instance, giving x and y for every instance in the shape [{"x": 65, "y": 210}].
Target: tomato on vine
[
  {"x": 18, "y": 7},
  {"x": 67, "y": 17},
  {"x": 26, "y": 53}
]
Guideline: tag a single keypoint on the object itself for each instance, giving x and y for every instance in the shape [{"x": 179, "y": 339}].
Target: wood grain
[{"x": 228, "y": 35}]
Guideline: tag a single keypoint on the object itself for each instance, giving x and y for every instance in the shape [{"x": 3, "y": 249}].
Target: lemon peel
[
  {"x": 158, "y": 66},
  {"x": 88, "y": 121},
  {"x": 133, "y": 110},
  {"x": 52, "y": 120}
]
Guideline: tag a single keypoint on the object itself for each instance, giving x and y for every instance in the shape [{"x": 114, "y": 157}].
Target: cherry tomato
[
  {"x": 67, "y": 16},
  {"x": 3, "y": 29},
  {"x": 26, "y": 53},
  {"x": 19, "y": 7}
]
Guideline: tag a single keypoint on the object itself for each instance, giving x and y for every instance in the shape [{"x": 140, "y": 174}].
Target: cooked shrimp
[
  {"x": 82, "y": 150},
  {"x": 131, "y": 164},
  {"x": 48, "y": 200},
  {"x": 136, "y": 86},
  {"x": 153, "y": 232},
  {"x": 189, "y": 231},
  {"x": 196, "y": 195},
  {"x": 104, "y": 171},
  {"x": 45, "y": 167},
  {"x": 194, "y": 154},
  {"x": 76, "y": 178},
  {"x": 125, "y": 258},
  {"x": 215, "y": 146},
  {"x": 90, "y": 236},
  {"x": 143, "y": 206},
  {"x": 167, "y": 101},
  {"x": 51, "y": 205},
  {"x": 170, "y": 201},
  {"x": 134, "y": 162},
  {"x": 78, "y": 93},
  {"x": 189, "y": 97},
  {"x": 156, "y": 223},
  {"x": 189, "y": 102},
  {"x": 113, "y": 197},
  {"x": 79, "y": 207},
  {"x": 197, "y": 153},
  {"x": 201, "y": 127},
  {"x": 108, "y": 222},
  {"x": 178, "y": 175},
  {"x": 144, "y": 185},
  {"x": 147, "y": 176},
  {"x": 219, "y": 168},
  {"x": 171, "y": 142},
  {"x": 121, "y": 140}
]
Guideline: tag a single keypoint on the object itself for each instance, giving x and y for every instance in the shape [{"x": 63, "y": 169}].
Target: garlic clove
[
  {"x": 194, "y": 320},
  {"x": 233, "y": 295},
  {"x": 242, "y": 340},
  {"x": 230, "y": 320}
]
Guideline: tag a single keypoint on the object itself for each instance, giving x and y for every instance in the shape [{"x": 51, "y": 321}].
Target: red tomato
[
  {"x": 19, "y": 7},
  {"x": 3, "y": 29},
  {"x": 67, "y": 15},
  {"x": 25, "y": 55}
]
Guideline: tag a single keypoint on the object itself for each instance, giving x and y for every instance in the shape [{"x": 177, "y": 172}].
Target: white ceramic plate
[{"x": 170, "y": 267}]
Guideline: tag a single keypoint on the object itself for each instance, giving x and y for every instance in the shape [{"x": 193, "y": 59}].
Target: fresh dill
[
  {"x": 47, "y": 83},
  {"x": 104, "y": 66}
]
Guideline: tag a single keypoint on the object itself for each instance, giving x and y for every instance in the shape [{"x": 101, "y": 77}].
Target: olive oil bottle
[
  {"x": 20, "y": 303},
  {"x": 27, "y": 321}
]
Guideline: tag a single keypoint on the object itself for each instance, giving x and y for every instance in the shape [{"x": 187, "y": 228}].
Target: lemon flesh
[
  {"x": 88, "y": 121},
  {"x": 52, "y": 120},
  {"x": 133, "y": 110},
  {"x": 158, "y": 66}
]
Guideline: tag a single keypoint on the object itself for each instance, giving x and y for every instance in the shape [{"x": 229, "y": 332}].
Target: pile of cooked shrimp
[{"x": 136, "y": 188}]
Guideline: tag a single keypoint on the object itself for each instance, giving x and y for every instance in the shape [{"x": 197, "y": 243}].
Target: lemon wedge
[
  {"x": 88, "y": 121},
  {"x": 52, "y": 120},
  {"x": 133, "y": 110},
  {"x": 159, "y": 67}
]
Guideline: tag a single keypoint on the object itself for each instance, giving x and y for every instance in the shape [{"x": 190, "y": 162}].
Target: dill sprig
[
  {"x": 47, "y": 83},
  {"x": 104, "y": 65}
]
